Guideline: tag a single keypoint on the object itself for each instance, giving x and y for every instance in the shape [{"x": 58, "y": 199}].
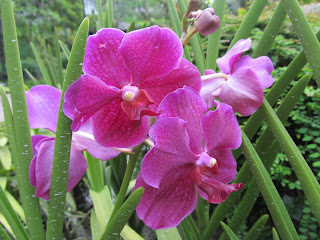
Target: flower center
[
  {"x": 205, "y": 160},
  {"x": 130, "y": 93}
]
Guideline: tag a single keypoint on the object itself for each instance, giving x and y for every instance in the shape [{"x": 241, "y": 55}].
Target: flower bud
[
  {"x": 193, "y": 5},
  {"x": 207, "y": 23}
]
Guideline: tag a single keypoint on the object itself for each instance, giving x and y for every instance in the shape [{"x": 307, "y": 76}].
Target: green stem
[
  {"x": 269, "y": 192},
  {"x": 214, "y": 39},
  {"x": 61, "y": 157},
  {"x": 249, "y": 21},
  {"x": 22, "y": 138},
  {"x": 95, "y": 173},
  {"x": 126, "y": 180},
  {"x": 309, "y": 41}
]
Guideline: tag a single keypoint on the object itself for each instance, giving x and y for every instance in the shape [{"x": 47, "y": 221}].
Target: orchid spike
[
  {"x": 43, "y": 108},
  {"x": 179, "y": 165},
  {"x": 126, "y": 76},
  {"x": 241, "y": 80}
]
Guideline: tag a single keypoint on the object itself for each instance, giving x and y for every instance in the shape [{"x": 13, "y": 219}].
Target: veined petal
[
  {"x": 210, "y": 90},
  {"x": 188, "y": 105},
  {"x": 85, "y": 97},
  {"x": 150, "y": 52},
  {"x": 220, "y": 129},
  {"x": 227, "y": 62},
  {"x": 185, "y": 75},
  {"x": 170, "y": 152},
  {"x": 103, "y": 60},
  {"x": 167, "y": 206},
  {"x": 43, "y": 106},
  {"x": 262, "y": 66},
  {"x": 113, "y": 128},
  {"x": 227, "y": 166},
  {"x": 216, "y": 192},
  {"x": 96, "y": 150},
  {"x": 243, "y": 91}
]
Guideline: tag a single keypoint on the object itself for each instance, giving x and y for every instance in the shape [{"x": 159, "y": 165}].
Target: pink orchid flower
[
  {"x": 43, "y": 108},
  {"x": 179, "y": 165},
  {"x": 241, "y": 80},
  {"x": 126, "y": 77}
]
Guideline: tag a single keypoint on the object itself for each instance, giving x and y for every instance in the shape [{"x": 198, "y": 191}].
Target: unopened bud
[
  {"x": 207, "y": 23},
  {"x": 193, "y": 5},
  {"x": 194, "y": 14}
]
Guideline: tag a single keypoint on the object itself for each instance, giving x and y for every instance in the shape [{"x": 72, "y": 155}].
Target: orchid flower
[
  {"x": 126, "y": 76},
  {"x": 179, "y": 165},
  {"x": 43, "y": 108},
  {"x": 241, "y": 80}
]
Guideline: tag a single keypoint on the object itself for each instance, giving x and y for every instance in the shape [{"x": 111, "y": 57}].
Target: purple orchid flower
[
  {"x": 241, "y": 80},
  {"x": 179, "y": 165},
  {"x": 126, "y": 77},
  {"x": 43, "y": 108}
]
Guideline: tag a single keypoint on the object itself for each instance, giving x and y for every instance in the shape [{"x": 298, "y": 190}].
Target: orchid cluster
[{"x": 134, "y": 79}]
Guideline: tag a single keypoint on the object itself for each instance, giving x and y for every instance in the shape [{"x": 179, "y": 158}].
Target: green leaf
[
  {"x": 5, "y": 158},
  {"x": 3, "y": 141},
  {"x": 314, "y": 155},
  {"x": 58, "y": 57},
  {"x": 15, "y": 205},
  {"x": 308, "y": 181},
  {"x": 275, "y": 235},
  {"x": 94, "y": 172},
  {"x": 168, "y": 234},
  {"x": 131, "y": 26},
  {"x": 316, "y": 164},
  {"x": 3, "y": 234},
  {"x": 228, "y": 231},
  {"x": 109, "y": 12},
  {"x": 307, "y": 138},
  {"x": 61, "y": 157},
  {"x": 269, "y": 192},
  {"x": 18, "y": 123},
  {"x": 100, "y": 22},
  {"x": 120, "y": 219},
  {"x": 189, "y": 229},
  {"x": 309, "y": 41},
  {"x": 11, "y": 217},
  {"x": 257, "y": 228},
  {"x": 65, "y": 49},
  {"x": 3, "y": 182}
]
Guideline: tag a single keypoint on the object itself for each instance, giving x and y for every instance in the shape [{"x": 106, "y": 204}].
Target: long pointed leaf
[
  {"x": 58, "y": 57},
  {"x": 3, "y": 234},
  {"x": 257, "y": 228},
  {"x": 168, "y": 234},
  {"x": 269, "y": 192},
  {"x": 65, "y": 49},
  {"x": 228, "y": 231}
]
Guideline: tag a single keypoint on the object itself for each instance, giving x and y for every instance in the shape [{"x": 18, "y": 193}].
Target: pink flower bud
[
  {"x": 207, "y": 23},
  {"x": 193, "y": 5}
]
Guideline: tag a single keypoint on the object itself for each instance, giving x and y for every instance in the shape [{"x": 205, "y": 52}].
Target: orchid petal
[
  {"x": 85, "y": 97},
  {"x": 167, "y": 206},
  {"x": 150, "y": 52},
  {"x": 243, "y": 91},
  {"x": 227, "y": 167},
  {"x": 262, "y": 66},
  {"x": 216, "y": 192},
  {"x": 170, "y": 152},
  {"x": 221, "y": 129},
  {"x": 113, "y": 128},
  {"x": 43, "y": 106},
  {"x": 103, "y": 60},
  {"x": 95, "y": 149},
  {"x": 185, "y": 75},
  {"x": 188, "y": 105},
  {"x": 227, "y": 62},
  {"x": 210, "y": 90}
]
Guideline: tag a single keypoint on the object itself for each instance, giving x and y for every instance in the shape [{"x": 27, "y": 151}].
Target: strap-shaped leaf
[
  {"x": 11, "y": 217},
  {"x": 189, "y": 229},
  {"x": 109, "y": 14},
  {"x": 257, "y": 228},
  {"x": 131, "y": 26},
  {"x": 100, "y": 22},
  {"x": 58, "y": 57},
  {"x": 3, "y": 234},
  {"x": 275, "y": 235},
  {"x": 65, "y": 49},
  {"x": 168, "y": 234},
  {"x": 303, "y": 172},
  {"x": 309, "y": 41},
  {"x": 122, "y": 216},
  {"x": 94, "y": 172},
  {"x": 61, "y": 157},
  {"x": 23, "y": 145},
  {"x": 249, "y": 21},
  {"x": 228, "y": 231},
  {"x": 269, "y": 192}
]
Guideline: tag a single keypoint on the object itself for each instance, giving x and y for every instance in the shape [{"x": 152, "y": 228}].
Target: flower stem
[{"x": 126, "y": 180}]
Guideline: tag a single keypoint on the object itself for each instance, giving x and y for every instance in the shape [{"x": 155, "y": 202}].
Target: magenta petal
[
  {"x": 32, "y": 172},
  {"x": 167, "y": 206},
  {"x": 170, "y": 152},
  {"x": 262, "y": 67},
  {"x": 43, "y": 106},
  {"x": 216, "y": 192},
  {"x": 185, "y": 75},
  {"x": 243, "y": 91},
  {"x": 35, "y": 139},
  {"x": 103, "y": 60},
  {"x": 77, "y": 166},
  {"x": 113, "y": 128},
  {"x": 226, "y": 63},
  {"x": 150, "y": 52},
  {"x": 188, "y": 105},
  {"x": 96, "y": 150},
  {"x": 227, "y": 166},
  {"x": 221, "y": 129},
  {"x": 85, "y": 97}
]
